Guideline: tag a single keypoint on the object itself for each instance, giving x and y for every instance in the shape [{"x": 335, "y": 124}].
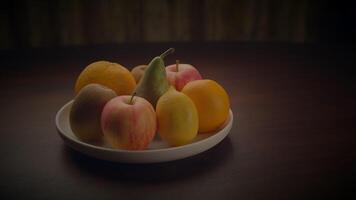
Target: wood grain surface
[{"x": 293, "y": 138}]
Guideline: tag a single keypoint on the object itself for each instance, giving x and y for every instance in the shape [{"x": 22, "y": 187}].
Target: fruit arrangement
[{"x": 128, "y": 108}]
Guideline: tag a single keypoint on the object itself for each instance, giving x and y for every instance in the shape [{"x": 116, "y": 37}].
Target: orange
[
  {"x": 211, "y": 101},
  {"x": 111, "y": 75}
]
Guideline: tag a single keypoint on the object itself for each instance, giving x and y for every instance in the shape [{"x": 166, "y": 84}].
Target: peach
[
  {"x": 129, "y": 122},
  {"x": 86, "y": 111},
  {"x": 179, "y": 75}
]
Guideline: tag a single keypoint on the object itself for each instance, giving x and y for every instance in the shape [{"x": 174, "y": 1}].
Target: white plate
[{"x": 158, "y": 150}]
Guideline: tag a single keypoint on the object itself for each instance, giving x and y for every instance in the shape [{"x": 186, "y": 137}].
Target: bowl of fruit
[{"x": 150, "y": 114}]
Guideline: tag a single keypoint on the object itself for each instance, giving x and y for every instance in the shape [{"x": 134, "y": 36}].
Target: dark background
[
  {"x": 83, "y": 22},
  {"x": 288, "y": 66}
]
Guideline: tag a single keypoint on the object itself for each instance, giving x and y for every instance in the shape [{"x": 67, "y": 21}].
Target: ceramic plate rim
[{"x": 63, "y": 133}]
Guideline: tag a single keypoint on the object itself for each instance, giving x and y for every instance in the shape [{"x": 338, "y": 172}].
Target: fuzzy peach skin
[
  {"x": 184, "y": 75},
  {"x": 130, "y": 126}
]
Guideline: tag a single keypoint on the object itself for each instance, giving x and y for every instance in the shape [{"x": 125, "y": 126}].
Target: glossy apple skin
[
  {"x": 138, "y": 71},
  {"x": 129, "y": 126},
  {"x": 186, "y": 73}
]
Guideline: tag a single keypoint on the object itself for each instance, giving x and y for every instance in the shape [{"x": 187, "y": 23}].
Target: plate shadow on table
[{"x": 186, "y": 168}]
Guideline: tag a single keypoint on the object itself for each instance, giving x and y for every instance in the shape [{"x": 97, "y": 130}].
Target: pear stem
[
  {"x": 169, "y": 51},
  {"x": 131, "y": 99},
  {"x": 177, "y": 65}
]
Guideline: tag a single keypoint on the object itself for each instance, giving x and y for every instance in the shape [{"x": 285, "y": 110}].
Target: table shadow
[{"x": 79, "y": 163}]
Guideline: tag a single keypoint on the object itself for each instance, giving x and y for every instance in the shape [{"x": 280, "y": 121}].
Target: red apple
[
  {"x": 179, "y": 75},
  {"x": 129, "y": 122}
]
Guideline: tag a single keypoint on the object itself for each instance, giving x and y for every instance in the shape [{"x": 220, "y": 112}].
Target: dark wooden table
[{"x": 293, "y": 138}]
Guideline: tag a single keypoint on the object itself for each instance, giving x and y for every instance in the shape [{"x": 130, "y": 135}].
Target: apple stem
[
  {"x": 131, "y": 99},
  {"x": 169, "y": 51},
  {"x": 177, "y": 65}
]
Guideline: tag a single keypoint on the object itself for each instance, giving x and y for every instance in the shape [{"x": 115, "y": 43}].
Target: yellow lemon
[
  {"x": 111, "y": 75},
  {"x": 177, "y": 118},
  {"x": 211, "y": 101}
]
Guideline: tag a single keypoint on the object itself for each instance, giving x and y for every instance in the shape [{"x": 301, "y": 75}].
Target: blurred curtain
[{"x": 83, "y": 22}]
